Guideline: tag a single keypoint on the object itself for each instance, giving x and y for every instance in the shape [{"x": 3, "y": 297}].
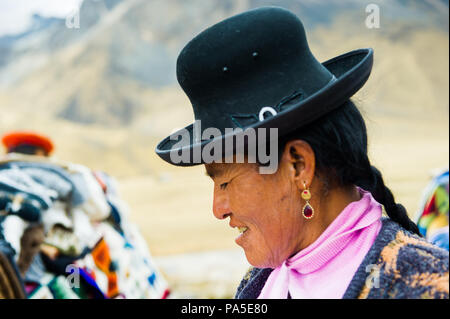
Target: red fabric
[
  {"x": 100, "y": 181},
  {"x": 165, "y": 294},
  {"x": 430, "y": 207},
  {"x": 102, "y": 260},
  {"x": 101, "y": 256},
  {"x": 14, "y": 139}
]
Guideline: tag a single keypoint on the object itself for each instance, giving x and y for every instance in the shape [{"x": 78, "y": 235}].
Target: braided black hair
[{"x": 339, "y": 141}]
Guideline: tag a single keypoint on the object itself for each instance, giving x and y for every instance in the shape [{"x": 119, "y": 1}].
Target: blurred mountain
[
  {"x": 95, "y": 73},
  {"x": 106, "y": 92},
  {"x": 103, "y": 71}
]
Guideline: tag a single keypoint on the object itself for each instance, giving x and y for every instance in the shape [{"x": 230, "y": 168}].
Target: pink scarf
[{"x": 325, "y": 268}]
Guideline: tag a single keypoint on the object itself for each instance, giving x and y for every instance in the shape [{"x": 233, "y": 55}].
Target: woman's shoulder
[{"x": 401, "y": 264}]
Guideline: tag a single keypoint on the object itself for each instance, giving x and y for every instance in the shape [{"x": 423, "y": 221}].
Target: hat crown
[{"x": 247, "y": 62}]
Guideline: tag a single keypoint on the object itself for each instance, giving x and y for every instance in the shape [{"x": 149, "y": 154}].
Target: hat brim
[{"x": 351, "y": 70}]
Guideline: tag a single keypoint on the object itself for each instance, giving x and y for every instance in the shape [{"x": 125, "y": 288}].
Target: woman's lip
[
  {"x": 233, "y": 225},
  {"x": 241, "y": 238}
]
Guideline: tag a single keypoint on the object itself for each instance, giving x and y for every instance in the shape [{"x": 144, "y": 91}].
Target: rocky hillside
[{"x": 115, "y": 75}]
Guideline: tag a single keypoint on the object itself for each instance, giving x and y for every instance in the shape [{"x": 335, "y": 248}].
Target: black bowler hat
[{"x": 255, "y": 70}]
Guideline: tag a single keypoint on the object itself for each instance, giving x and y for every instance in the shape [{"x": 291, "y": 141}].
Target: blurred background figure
[
  {"x": 98, "y": 76},
  {"x": 432, "y": 215},
  {"x": 27, "y": 143},
  {"x": 64, "y": 230}
]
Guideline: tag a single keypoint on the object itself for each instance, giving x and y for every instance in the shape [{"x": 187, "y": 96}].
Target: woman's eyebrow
[
  {"x": 207, "y": 173},
  {"x": 213, "y": 172}
]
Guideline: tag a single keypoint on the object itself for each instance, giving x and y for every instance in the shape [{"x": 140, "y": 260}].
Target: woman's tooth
[{"x": 242, "y": 229}]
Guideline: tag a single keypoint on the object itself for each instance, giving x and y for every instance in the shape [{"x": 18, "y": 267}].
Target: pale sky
[{"x": 15, "y": 14}]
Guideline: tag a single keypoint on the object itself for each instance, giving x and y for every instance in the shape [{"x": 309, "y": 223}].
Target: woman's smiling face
[{"x": 264, "y": 209}]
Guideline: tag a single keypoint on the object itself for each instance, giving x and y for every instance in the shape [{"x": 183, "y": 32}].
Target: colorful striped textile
[{"x": 432, "y": 215}]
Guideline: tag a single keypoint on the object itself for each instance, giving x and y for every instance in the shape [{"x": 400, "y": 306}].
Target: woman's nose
[{"x": 221, "y": 208}]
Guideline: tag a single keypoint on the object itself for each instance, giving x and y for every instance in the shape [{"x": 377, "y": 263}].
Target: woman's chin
[{"x": 256, "y": 260}]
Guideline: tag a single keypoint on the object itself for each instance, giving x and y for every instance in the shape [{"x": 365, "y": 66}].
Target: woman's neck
[{"x": 326, "y": 210}]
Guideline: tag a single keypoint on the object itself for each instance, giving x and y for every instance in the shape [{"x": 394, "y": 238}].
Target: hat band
[
  {"x": 245, "y": 120},
  {"x": 264, "y": 110}
]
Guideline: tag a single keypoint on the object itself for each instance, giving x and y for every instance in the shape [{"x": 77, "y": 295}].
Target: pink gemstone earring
[{"x": 307, "y": 211}]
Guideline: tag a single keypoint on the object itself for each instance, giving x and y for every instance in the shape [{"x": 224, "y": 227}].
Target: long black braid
[
  {"x": 339, "y": 141},
  {"x": 383, "y": 195}
]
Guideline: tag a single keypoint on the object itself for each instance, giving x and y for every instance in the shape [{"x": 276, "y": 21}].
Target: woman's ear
[{"x": 300, "y": 160}]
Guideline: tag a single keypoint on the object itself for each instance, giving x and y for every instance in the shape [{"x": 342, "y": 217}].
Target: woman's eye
[{"x": 224, "y": 185}]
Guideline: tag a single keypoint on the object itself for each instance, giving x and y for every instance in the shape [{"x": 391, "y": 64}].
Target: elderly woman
[{"x": 313, "y": 227}]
